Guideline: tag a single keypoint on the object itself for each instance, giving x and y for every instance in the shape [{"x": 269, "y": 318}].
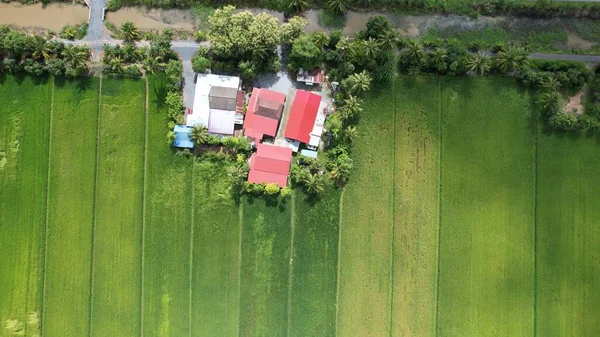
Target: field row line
[
  {"x": 47, "y": 211},
  {"x": 143, "y": 239},
  {"x": 291, "y": 265},
  {"x": 93, "y": 239},
  {"x": 191, "y": 257},
  {"x": 439, "y": 229},
  {"x": 393, "y": 224}
]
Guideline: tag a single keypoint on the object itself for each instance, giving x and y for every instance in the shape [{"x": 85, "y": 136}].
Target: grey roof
[
  {"x": 222, "y": 98},
  {"x": 269, "y": 109}
]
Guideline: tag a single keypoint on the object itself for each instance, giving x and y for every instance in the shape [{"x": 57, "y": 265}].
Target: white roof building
[
  {"x": 215, "y": 103},
  {"x": 317, "y": 131}
]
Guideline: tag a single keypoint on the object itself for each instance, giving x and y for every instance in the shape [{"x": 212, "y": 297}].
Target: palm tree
[
  {"x": 350, "y": 134},
  {"x": 337, "y": 6},
  {"x": 352, "y": 105},
  {"x": 512, "y": 59},
  {"x": 76, "y": 56},
  {"x": 549, "y": 99},
  {"x": 296, "y": 6},
  {"x": 344, "y": 48},
  {"x": 479, "y": 63},
  {"x": 129, "y": 31},
  {"x": 550, "y": 83},
  {"x": 320, "y": 39},
  {"x": 314, "y": 184},
  {"x": 130, "y": 53},
  {"x": 358, "y": 82},
  {"x": 389, "y": 40},
  {"x": 438, "y": 58},
  {"x": 199, "y": 134},
  {"x": 52, "y": 49},
  {"x": 116, "y": 65},
  {"x": 237, "y": 173},
  {"x": 37, "y": 45},
  {"x": 152, "y": 64},
  {"x": 414, "y": 51},
  {"x": 371, "y": 47}
]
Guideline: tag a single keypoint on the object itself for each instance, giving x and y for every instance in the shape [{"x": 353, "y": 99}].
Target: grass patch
[
  {"x": 71, "y": 208},
  {"x": 167, "y": 231},
  {"x": 216, "y": 259},
  {"x": 487, "y": 223},
  {"x": 315, "y": 259},
  {"x": 202, "y": 13},
  {"x": 265, "y": 267},
  {"x": 332, "y": 20},
  {"x": 568, "y": 246},
  {"x": 416, "y": 206},
  {"x": 24, "y": 136},
  {"x": 117, "y": 239},
  {"x": 366, "y": 247}
]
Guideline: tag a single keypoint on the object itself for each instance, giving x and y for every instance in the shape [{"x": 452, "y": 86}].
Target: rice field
[{"x": 463, "y": 217}]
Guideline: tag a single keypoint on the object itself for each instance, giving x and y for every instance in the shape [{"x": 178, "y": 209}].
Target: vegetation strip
[
  {"x": 338, "y": 269},
  {"x": 46, "y": 232},
  {"x": 144, "y": 194},
  {"x": 95, "y": 200},
  {"x": 291, "y": 270}
]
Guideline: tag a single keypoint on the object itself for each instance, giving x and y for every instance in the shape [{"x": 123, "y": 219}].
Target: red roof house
[
  {"x": 302, "y": 116},
  {"x": 270, "y": 164},
  {"x": 263, "y": 113}
]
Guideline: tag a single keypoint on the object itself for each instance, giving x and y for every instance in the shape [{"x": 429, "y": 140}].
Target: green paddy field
[{"x": 463, "y": 217}]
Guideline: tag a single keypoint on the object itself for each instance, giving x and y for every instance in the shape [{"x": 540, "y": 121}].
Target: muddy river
[{"x": 52, "y": 16}]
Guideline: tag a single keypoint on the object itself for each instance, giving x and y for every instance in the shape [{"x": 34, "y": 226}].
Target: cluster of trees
[
  {"x": 241, "y": 43},
  {"x": 37, "y": 55},
  {"x": 74, "y": 32},
  {"x": 448, "y": 57},
  {"x": 552, "y": 79},
  {"x": 129, "y": 59}
]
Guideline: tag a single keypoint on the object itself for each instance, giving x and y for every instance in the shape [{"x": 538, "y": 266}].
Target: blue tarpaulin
[
  {"x": 182, "y": 137},
  {"x": 309, "y": 153}
]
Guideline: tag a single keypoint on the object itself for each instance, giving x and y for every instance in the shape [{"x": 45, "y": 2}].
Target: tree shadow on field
[
  {"x": 81, "y": 83},
  {"x": 3, "y": 77},
  {"x": 270, "y": 201}
]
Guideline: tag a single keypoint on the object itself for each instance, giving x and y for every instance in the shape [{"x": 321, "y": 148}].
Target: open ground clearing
[{"x": 461, "y": 219}]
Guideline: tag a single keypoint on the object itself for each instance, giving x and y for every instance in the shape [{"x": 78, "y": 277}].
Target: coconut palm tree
[
  {"x": 37, "y": 45},
  {"x": 344, "y": 48},
  {"x": 358, "y": 82},
  {"x": 152, "y": 64},
  {"x": 320, "y": 39},
  {"x": 549, "y": 99},
  {"x": 296, "y": 6},
  {"x": 371, "y": 47},
  {"x": 414, "y": 52},
  {"x": 389, "y": 40},
  {"x": 479, "y": 63},
  {"x": 550, "y": 83},
  {"x": 52, "y": 49},
  {"x": 129, "y": 32},
  {"x": 337, "y": 6},
  {"x": 314, "y": 184},
  {"x": 352, "y": 105},
  {"x": 350, "y": 134},
  {"x": 76, "y": 56},
  {"x": 437, "y": 58},
  {"x": 512, "y": 59},
  {"x": 199, "y": 134},
  {"x": 130, "y": 53},
  {"x": 115, "y": 65},
  {"x": 238, "y": 173}
]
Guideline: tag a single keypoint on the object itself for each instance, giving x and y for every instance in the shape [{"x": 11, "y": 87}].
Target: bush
[
  {"x": 200, "y": 64},
  {"x": 200, "y": 36}
]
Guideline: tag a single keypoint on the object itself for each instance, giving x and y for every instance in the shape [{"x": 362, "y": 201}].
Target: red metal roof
[
  {"x": 270, "y": 164},
  {"x": 302, "y": 116},
  {"x": 255, "y": 125}
]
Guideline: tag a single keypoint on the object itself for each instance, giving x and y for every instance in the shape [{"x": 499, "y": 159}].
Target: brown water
[
  {"x": 52, "y": 16},
  {"x": 158, "y": 19}
]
